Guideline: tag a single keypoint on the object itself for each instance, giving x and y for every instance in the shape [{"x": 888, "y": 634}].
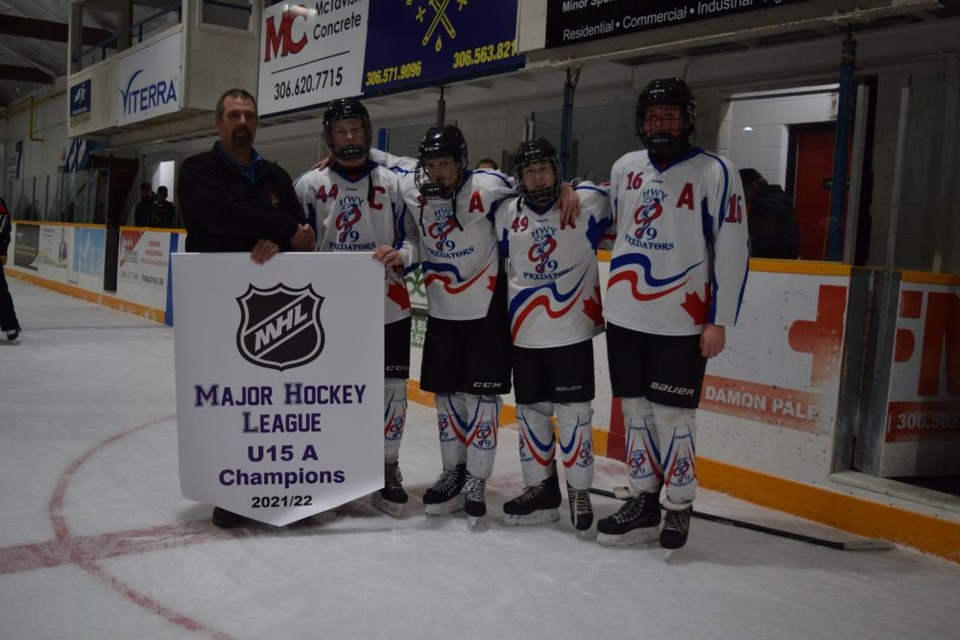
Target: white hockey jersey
[
  {"x": 680, "y": 257},
  {"x": 359, "y": 212},
  {"x": 456, "y": 244},
  {"x": 553, "y": 286}
]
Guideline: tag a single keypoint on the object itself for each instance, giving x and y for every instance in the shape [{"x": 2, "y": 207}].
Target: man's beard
[{"x": 241, "y": 138}]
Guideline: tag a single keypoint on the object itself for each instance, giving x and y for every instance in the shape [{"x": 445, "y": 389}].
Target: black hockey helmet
[
  {"x": 533, "y": 152},
  {"x": 668, "y": 91},
  {"x": 440, "y": 142},
  {"x": 346, "y": 109}
]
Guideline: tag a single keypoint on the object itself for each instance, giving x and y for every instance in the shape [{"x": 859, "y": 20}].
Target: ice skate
[
  {"x": 224, "y": 519},
  {"x": 581, "y": 509},
  {"x": 536, "y": 505},
  {"x": 636, "y": 522},
  {"x": 445, "y": 496},
  {"x": 676, "y": 527},
  {"x": 391, "y": 498},
  {"x": 475, "y": 503}
]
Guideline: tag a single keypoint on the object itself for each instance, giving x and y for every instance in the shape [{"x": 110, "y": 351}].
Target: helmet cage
[
  {"x": 440, "y": 142},
  {"x": 668, "y": 91},
  {"x": 347, "y": 109},
  {"x": 531, "y": 153}
]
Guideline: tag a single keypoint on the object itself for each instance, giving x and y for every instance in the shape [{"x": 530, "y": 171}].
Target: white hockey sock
[
  {"x": 536, "y": 442},
  {"x": 576, "y": 442},
  {"x": 450, "y": 422},
  {"x": 677, "y": 428},
  {"x": 482, "y": 423},
  {"x": 394, "y": 416},
  {"x": 644, "y": 471}
]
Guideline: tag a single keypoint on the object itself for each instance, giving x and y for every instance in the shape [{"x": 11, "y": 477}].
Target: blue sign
[
  {"x": 80, "y": 99},
  {"x": 427, "y": 42}
]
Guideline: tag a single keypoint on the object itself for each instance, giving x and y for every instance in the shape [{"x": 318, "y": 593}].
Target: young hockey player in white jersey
[
  {"x": 356, "y": 205},
  {"x": 677, "y": 274},
  {"x": 555, "y": 310},
  {"x": 466, "y": 353}
]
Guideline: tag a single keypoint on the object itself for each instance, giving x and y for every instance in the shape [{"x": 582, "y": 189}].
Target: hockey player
[
  {"x": 356, "y": 205},
  {"x": 466, "y": 353},
  {"x": 677, "y": 274},
  {"x": 555, "y": 310}
]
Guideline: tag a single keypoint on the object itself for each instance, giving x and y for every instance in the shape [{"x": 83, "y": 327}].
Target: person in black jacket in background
[
  {"x": 8, "y": 316},
  {"x": 233, "y": 200},
  {"x": 771, "y": 218}
]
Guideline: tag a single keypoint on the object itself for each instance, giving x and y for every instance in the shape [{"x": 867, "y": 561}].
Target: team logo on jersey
[
  {"x": 544, "y": 244},
  {"x": 280, "y": 327},
  {"x": 348, "y": 218},
  {"x": 651, "y": 208},
  {"x": 443, "y": 226}
]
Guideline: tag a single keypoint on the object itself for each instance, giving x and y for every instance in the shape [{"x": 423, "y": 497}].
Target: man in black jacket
[
  {"x": 233, "y": 200},
  {"x": 771, "y": 218}
]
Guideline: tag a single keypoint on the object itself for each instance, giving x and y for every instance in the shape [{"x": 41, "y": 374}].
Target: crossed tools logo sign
[{"x": 280, "y": 327}]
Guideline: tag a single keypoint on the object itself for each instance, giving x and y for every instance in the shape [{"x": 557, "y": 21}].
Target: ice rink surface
[{"x": 96, "y": 542}]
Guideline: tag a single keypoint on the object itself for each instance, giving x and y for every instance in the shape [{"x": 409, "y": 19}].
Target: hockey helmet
[
  {"x": 666, "y": 91},
  {"x": 346, "y": 109},
  {"x": 437, "y": 143},
  {"x": 534, "y": 152}
]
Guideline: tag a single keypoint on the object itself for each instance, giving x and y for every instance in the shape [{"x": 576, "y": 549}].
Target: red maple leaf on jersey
[
  {"x": 398, "y": 293},
  {"x": 696, "y": 306},
  {"x": 594, "y": 308}
]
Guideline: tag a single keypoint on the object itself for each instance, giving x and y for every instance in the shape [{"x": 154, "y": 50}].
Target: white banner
[
  {"x": 311, "y": 55},
  {"x": 149, "y": 81},
  {"x": 279, "y": 381},
  {"x": 142, "y": 266}
]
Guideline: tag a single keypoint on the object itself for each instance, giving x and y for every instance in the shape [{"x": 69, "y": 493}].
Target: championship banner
[
  {"x": 310, "y": 54},
  {"x": 279, "y": 378}
]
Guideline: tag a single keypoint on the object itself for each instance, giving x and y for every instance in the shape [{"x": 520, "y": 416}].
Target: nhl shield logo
[{"x": 280, "y": 327}]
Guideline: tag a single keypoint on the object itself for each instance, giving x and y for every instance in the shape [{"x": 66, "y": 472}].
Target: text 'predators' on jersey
[
  {"x": 668, "y": 226},
  {"x": 553, "y": 284},
  {"x": 359, "y": 212},
  {"x": 457, "y": 246}
]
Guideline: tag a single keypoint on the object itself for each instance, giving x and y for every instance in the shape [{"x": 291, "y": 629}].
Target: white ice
[{"x": 96, "y": 542}]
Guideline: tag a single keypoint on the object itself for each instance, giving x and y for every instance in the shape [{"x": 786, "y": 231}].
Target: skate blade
[
  {"x": 473, "y": 521},
  {"x": 445, "y": 508},
  {"x": 632, "y": 538},
  {"x": 393, "y": 509},
  {"x": 668, "y": 555},
  {"x": 541, "y": 516}
]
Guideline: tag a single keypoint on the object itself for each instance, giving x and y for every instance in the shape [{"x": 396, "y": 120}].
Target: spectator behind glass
[
  {"x": 771, "y": 218},
  {"x": 162, "y": 211},
  {"x": 141, "y": 215}
]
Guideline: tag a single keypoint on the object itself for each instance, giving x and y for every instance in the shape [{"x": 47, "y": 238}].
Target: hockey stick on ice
[{"x": 866, "y": 544}]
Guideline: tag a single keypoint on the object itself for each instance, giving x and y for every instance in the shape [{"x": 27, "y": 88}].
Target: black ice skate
[
  {"x": 676, "y": 526},
  {"x": 636, "y": 522},
  {"x": 581, "y": 509},
  {"x": 475, "y": 503},
  {"x": 224, "y": 519},
  {"x": 392, "y": 495},
  {"x": 445, "y": 496},
  {"x": 536, "y": 505}
]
